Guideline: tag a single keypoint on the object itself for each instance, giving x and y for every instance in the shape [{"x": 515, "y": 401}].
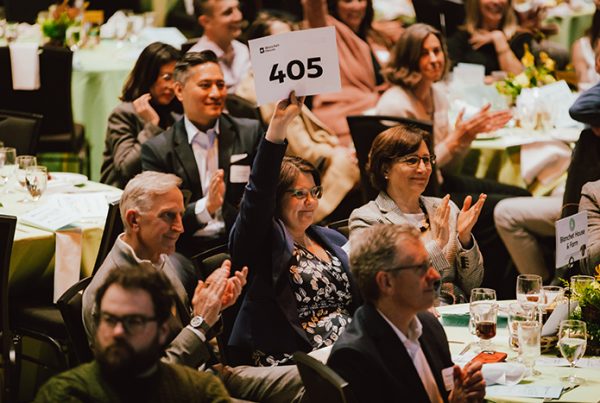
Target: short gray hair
[
  {"x": 141, "y": 190},
  {"x": 375, "y": 249}
]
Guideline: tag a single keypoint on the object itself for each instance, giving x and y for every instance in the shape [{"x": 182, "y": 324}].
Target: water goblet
[
  {"x": 529, "y": 288},
  {"x": 8, "y": 156},
  {"x": 572, "y": 341},
  {"x": 578, "y": 283},
  {"x": 551, "y": 295},
  {"x": 484, "y": 314},
  {"x": 517, "y": 313},
  {"x": 36, "y": 178},
  {"x": 529, "y": 333},
  {"x": 480, "y": 294},
  {"x": 23, "y": 162}
]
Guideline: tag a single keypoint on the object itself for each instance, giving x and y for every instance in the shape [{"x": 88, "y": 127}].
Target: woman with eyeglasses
[
  {"x": 400, "y": 164},
  {"x": 148, "y": 108},
  {"x": 300, "y": 294}
]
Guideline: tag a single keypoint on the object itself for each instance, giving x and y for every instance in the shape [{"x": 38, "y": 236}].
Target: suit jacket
[
  {"x": 463, "y": 268},
  {"x": 268, "y": 319},
  {"x": 373, "y": 360},
  {"x": 590, "y": 202},
  {"x": 185, "y": 347},
  {"x": 171, "y": 152}
]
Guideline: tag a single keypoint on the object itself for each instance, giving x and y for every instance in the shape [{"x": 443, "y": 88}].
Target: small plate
[
  {"x": 70, "y": 178},
  {"x": 488, "y": 136}
]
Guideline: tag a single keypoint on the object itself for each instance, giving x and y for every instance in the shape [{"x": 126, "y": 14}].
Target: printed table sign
[
  {"x": 571, "y": 239},
  {"x": 305, "y": 61}
]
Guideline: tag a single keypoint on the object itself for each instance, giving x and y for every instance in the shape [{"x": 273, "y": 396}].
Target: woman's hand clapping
[
  {"x": 467, "y": 218},
  {"x": 440, "y": 224}
]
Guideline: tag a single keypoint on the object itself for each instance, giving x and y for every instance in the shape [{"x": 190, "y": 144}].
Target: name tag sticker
[
  {"x": 239, "y": 173},
  {"x": 448, "y": 377},
  {"x": 237, "y": 157},
  {"x": 305, "y": 61}
]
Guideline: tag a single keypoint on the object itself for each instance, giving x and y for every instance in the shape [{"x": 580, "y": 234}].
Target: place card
[
  {"x": 49, "y": 217},
  {"x": 304, "y": 61},
  {"x": 571, "y": 239},
  {"x": 87, "y": 205}
]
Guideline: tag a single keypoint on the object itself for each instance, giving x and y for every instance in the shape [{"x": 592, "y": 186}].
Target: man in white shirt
[
  {"x": 222, "y": 23},
  {"x": 210, "y": 151},
  {"x": 394, "y": 349}
]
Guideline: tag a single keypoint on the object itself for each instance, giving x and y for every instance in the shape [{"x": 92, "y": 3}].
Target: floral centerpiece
[
  {"x": 60, "y": 18},
  {"x": 532, "y": 76},
  {"x": 589, "y": 302}
]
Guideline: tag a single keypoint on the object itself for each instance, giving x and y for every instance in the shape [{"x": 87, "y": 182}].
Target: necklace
[{"x": 425, "y": 224}]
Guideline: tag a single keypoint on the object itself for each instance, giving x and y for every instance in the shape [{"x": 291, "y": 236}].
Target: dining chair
[
  {"x": 59, "y": 134},
  {"x": 113, "y": 226},
  {"x": 20, "y": 130},
  {"x": 10, "y": 384},
  {"x": 323, "y": 384},
  {"x": 242, "y": 108},
  {"x": 25, "y": 11},
  {"x": 70, "y": 305},
  {"x": 364, "y": 129},
  {"x": 341, "y": 226}
]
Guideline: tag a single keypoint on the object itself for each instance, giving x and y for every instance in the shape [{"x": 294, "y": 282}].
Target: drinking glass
[
  {"x": 529, "y": 343},
  {"x": 23, "y": 162},
  {"x": 8, "y": 156},
  {"x": 578, "y": 283},
  {"x": 36, "y": 178},
  {"x": 518, "y": 313},
  {"x": 480, "y": 294},
  {"x": 484, "y": 314},
  {"x": 551, "y": 295},
  {"x": 73, "y": 37},
  {"x": 529, "y": 288},
  {"x": 572, "y": 341},
  {"x": 11, "y": 32}
]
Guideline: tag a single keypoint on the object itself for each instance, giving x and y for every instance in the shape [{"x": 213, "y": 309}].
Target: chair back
[
  {"x": 20, "y": 130},
  {"x": 341, "y": 226},
  {"x": 113, "y": 226},
  {"x": 7, "y": 234},
  {"x": 210, "y": 260},
  {"x": 242, "y": 108},
  {"x": 70, "y": 305},
  {"x": 52, "y": 100},
  {"x": 323, "y": 384},
  {"x": 364, "y": 129}
]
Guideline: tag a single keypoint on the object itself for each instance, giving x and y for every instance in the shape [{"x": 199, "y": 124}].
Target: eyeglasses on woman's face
[
  {"x": 301, "y": 194},
  {"x": 413, "y": 161}
]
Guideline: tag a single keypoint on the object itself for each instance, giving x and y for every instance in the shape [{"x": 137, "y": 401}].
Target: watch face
[{"x": 196, "y": 321}]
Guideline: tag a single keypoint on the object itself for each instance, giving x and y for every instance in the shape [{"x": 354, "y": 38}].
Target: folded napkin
[
  {"x": 503, "y": 373},
  {"x": 25, "y": 66},
  {"x": 67, "y": 265},
  {"x": 545, "y": 161}
]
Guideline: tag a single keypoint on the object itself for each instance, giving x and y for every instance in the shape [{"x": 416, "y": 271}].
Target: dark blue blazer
[
  {"x": 370, "y": 356},
  {"x": 268, "y": 318}
]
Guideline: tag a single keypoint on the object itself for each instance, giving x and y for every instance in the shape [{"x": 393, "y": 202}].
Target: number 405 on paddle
[{"x": 305, "y": 61}]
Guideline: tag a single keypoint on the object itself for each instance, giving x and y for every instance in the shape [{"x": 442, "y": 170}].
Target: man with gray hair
[
  {"x": 393, "y": 347},
  {"x": 152, "y": 209}
]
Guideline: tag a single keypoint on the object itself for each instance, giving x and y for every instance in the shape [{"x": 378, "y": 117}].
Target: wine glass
[
  {"x": 551, "y": 295},
  {"x": 529, "y": 333},
  {"x": 23, "y": 162},
  {"x": 36, "y": 178},
  {"x": 578, "y": 283},
  {"x": 484, "y": 314},
  {"x": 8, "y": 156},
  {"x": 517, "y": 313},
  {"x": 572, "y": 341},
  {"x": 73, "y": 37},
  {"x": 480, "y": 294},
  {"x": 529, "y": 288}
]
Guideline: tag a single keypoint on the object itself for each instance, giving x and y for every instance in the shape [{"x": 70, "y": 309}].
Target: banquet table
[
  {"x": 32, "y": 261},
  {"x": 455, "y": 319}
]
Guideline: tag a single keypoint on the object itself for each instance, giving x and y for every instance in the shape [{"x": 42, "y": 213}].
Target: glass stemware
[
  {"x": 484, "y": 314},
  {"x": 518, "y": 313},
  {"x": 551, "y": 296},
  {"x": 529, "y": 288},
  {"x": 578, "y": 283},
  {"x": 529, "y": 333},
  {"x": 23, "y": 162},
  {"x": 8, "y": 156},
  {"x": 572, "y": 341},
  {"x": 36, "y": 178},
  {"x": 480, "y": 294}
]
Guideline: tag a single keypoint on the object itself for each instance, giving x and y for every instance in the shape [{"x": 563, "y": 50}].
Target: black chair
[
  {"x": 20, "y": 130},
  {"x": 364, "y": 129},
  {"x": 242, "y": 108},
  {"x": 341, "y": 226},
  {"x": 113, "y": 226},
  {"x": 25, "y": 11},
  {"x": 71, "y": 306},
  {"x": 59, "y": 134},
  {"x": 10, "y": 384},
  {"x": 445, "y": 15},
  {"x": 323, "y": 384}
]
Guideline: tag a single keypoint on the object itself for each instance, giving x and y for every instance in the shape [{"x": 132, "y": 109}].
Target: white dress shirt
[{"x": 413, "y": 347}]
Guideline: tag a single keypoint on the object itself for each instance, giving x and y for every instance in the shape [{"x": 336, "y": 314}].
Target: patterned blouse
[{"x": 322, "y": 291}]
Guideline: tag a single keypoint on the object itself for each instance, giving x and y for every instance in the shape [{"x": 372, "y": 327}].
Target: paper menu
[
  {"x": 535, "y": 391},
  {"x": 88, "y": 205},
  {"x": 49, "y": 218}
]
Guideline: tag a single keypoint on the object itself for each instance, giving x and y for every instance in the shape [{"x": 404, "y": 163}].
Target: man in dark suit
[
  {"x": 394, "y": 349},
  {"x": 210, "y": 151}
]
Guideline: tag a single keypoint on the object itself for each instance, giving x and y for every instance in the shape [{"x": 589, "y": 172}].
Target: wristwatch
[{"x": 199, "y": 323}]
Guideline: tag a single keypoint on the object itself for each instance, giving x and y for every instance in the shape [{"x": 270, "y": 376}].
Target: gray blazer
[
  {"x": 456, "y": 265},
  {"x": 185, "y": 348},
  {"x": 590, "y": 201}
]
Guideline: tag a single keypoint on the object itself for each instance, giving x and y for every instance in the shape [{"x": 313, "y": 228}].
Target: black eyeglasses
[
  {"x": 131, "y": 323},
  {"x": 302, "y": 194},
  {"x": 420, "y": 269},
  {"x": 414, "y": 160}
]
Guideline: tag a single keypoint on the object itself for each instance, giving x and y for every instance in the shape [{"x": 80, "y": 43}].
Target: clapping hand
[
  {"x": 216, "y": 192},
  {"x": 145, "y": 111},
  {"x": 234, "y": 286},
  {"x": 440, "y": 224},
  {"x": 468, "y": 217},
  {"x": 207, "y": 299},
  {"x": 469, "y": 385},
  {"x": 484, "y": 121}
]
